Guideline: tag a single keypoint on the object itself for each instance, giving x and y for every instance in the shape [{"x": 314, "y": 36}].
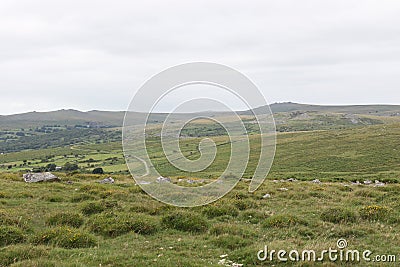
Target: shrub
[
  {"x": 10, "y": 235},
  {"x": 338, "y": 215},
  {"x": 92, "y": 208},
  {"x": 213, "y": 211},
  {"x": 374, "y": 212},
  {"x": 65, "y": 218},
  {"x": 282, "y": 220},
  {"x": 65, "y": 237},
  {"x": 185, "y": 221},
  {"x": 116, "y": 224},
  {"x": 98, "y": 171}
]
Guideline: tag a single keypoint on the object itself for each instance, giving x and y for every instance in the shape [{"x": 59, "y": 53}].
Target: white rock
[
  {"x": 163, "y": 180},
  {"x": 40, "y": 177},
  {"x": 266, "y": 196},
  {"x": 367, "y": 182},
  {"x": 108, "y": 180},
  {"x": 283, "y": 189},
  {"x": 316, "y": 181}
]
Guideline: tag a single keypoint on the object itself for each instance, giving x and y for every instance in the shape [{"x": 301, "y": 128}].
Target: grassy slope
[{"x": 361, "y": 153}]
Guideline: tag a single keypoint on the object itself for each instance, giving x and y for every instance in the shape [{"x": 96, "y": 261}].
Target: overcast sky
[{"x": 95, "y": 54}]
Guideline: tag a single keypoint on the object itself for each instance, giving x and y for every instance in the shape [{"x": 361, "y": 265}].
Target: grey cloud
[{"x": 95, "y": 54}]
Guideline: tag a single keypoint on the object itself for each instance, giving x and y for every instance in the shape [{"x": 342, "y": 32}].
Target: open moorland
[{"x": 335, "y": 176}]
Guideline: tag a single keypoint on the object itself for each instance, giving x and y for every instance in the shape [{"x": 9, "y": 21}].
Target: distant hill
[
  {"x": 95, "y": 118},
  {"x": 382, "y": 110}
]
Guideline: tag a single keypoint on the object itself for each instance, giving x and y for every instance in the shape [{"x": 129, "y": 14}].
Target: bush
[
  {"x": 98, "y": 171},
  {"x": 338, "y": 215},
  {"x": 92, "y": 208},
  {"x": 282, "y": 221},
  {"x": 116, "y": 224},
  {"x": 10, "y": 235},
  {"x": 65, "y": 218},
  {"x": 374, "y": 212},
  {"x": 185, "y": 221},
  {"x": 65, "y": 237},
  {"x": 213, "y": 211}
]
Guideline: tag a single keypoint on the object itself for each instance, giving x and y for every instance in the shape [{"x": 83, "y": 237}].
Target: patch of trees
[
  {"x": 60, "y": 138},
  {"x": 98, "y": 171}
]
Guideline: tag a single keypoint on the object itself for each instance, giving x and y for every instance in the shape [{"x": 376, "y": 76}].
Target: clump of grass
[
  {"x": 252, "y": 216},
  {"x": 152, "y": 208},
  {"x": 374, "y": 212},
  {"x": 116, "y": 224},
  {"x": 81, "y": 197},
  {"x": 6, "y": 219},
  {"x": 185, "y": 221},
  {"x": 339, "y": 215},
  {"x": 213, "y": 211},
  {"x": 11, "y": 235},
  {"x": 230, "y": 242},
  {"x": 65, "y": 218},
  {"x": 37, "y": 262},
  {"x": 230, "y": 230},
  {"x": 366, "y": 193},
  {"x": 65, "y": 237},
  {"x": 53, "y": 198},
  {"x": 244, "y": 204},
  {"x": 90, "y": 208},
  {"x": 282, "y": 221},
  {"x": 17, "y": 253}
]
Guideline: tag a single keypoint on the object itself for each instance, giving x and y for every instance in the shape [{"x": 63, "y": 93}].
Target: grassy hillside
[
  {"x": 88, "y": 224},
  {"x": 79, "y": 222}
]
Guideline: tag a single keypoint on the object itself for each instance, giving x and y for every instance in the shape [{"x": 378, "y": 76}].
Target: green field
[{"x": 84, "y": 223}]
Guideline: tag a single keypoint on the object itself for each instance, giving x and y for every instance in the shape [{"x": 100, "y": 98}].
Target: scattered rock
[
  {"x": 163, "y": 180},
  {"x": 143, "y": 182},
  {"x": 266, "y": 196},
  {"x": 378, "y": 183},
  {"x": 283, "y": 189},
  {"x": 40, "y": 177},
  {"x": 291, "y": 180},
  {"x": 367, "y": 182},
  {"x": 195, "y": 181},
  {"x": 356, "y": 183},
  {"x": 316, "y": 181},
  {"x": 108, "y": 180},
  {"x": 275, "y": 181}
]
